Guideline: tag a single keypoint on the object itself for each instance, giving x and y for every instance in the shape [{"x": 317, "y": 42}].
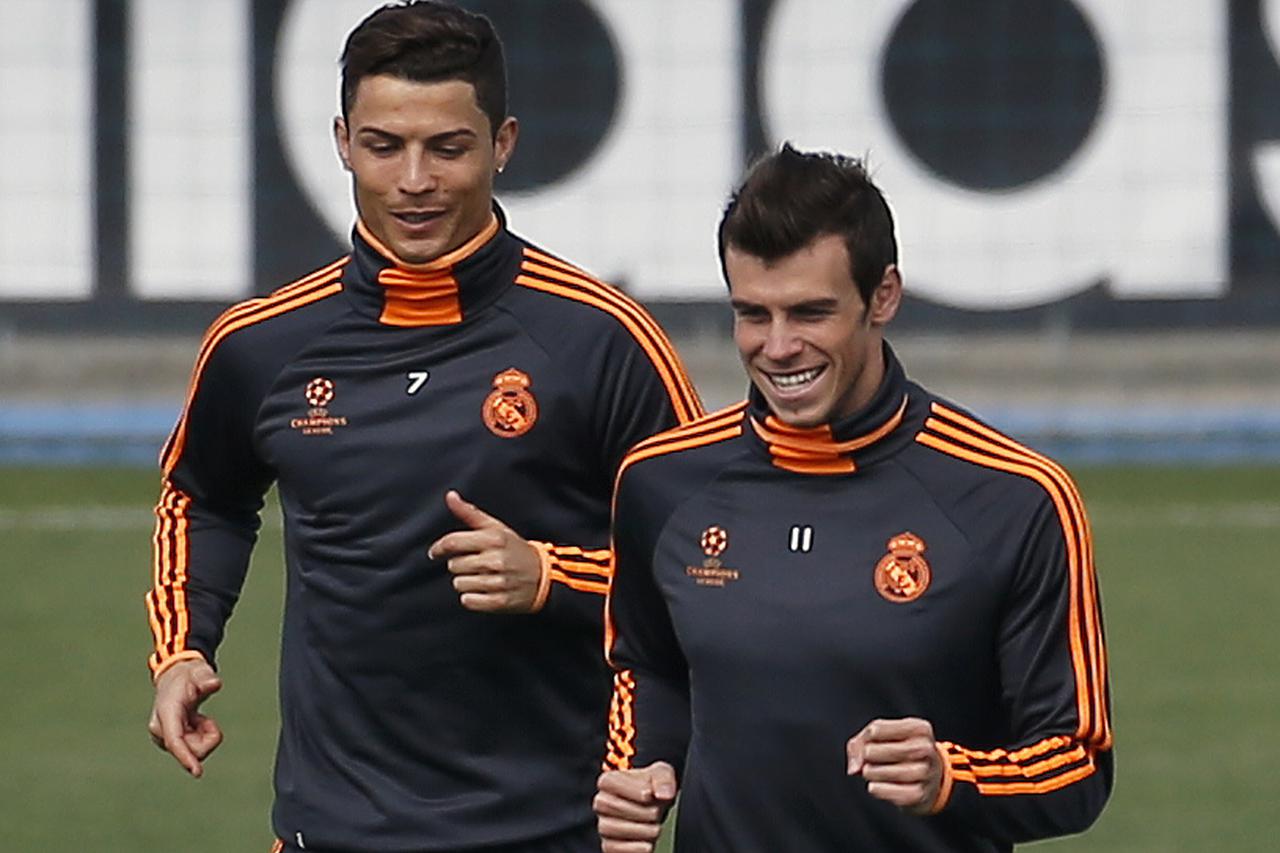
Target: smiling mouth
[
  {"x": 798, "y": 380},
  {"x": 415, "y": 217}
]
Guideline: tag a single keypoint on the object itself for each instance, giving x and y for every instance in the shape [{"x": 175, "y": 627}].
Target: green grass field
[{"x": 1191, "y": 587}]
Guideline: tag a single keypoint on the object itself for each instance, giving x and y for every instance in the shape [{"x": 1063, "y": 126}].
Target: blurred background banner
[
  {"x": 1069, "y": 178},
  {"x": 1118, "y": 163}
]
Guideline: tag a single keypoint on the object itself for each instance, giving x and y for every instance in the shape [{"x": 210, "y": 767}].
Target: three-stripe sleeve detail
[
  {"x": 708, "y": 429},
  {"x": 1058, "y": 761},
  {"x": 318, "y": 285},
  {"x": 166, "y": 602},
  {"x": 577, "y": 568},
  {"x": 1044, "y": 767},
  {"x": 548, "y": 274},
  {"x": 622, "y": 729},
  {"x": 167, "y": 599}
]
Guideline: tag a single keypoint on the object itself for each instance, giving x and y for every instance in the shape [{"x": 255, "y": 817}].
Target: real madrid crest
[
  {"x": 903, "y": 574},
  {"x": 510, "y": 409}
]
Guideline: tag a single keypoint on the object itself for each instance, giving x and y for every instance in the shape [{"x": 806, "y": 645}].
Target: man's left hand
[
  {"x": 494, "y": 569},
  {"x": 900, "y": 762}
]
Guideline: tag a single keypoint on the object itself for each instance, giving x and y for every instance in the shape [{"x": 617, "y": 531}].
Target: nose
[
  {"x": 418, "y": 175},
  {"x": 781, "y": 343}
]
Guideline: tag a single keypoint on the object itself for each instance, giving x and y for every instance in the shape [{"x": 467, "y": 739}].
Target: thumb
[
  {"x": 208, "y": 683},
  {"x": 663, "y": 777},
  {"x": 468, "y": 513},
  {"x": 854, "y": 752}
]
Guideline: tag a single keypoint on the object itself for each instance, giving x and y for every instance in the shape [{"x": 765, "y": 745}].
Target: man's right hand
[
  {"x": 176, "y": 724},
  {"x": 630, "y": 806}
]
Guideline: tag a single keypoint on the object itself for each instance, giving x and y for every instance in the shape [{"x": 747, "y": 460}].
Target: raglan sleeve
[
  {"x": 207, "y": 516},
  {"x": 642, "y": 388},
  {"x": 649, "y": 711},
  {"x": 1056, "y": 775}
]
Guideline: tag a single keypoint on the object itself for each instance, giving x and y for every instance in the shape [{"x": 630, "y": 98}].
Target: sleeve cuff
[
  {"x": 166, "y": 664},
  {"x": 944, "y": 789},
  {"x": 544, "y": 578}
]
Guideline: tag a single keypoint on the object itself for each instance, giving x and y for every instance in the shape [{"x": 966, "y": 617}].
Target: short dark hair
[
  {"x": 427, "y": 41},
  {"x": 790, "y": 198}
]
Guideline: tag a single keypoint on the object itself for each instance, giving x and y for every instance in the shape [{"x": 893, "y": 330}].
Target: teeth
[
  {"x": 793, "y": 380},
  {"x": 416, "y": 218}
]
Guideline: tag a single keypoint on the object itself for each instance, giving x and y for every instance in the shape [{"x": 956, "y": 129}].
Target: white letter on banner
[
  {"x": 1266, "y": 158},
  {"x": 46, "y": 183},
  {"x": 307, "y": 98},
  {"x": 1142, "y": 204},
  {"x": 643, "y": 208},
  {"x": 190, "y": 151}
]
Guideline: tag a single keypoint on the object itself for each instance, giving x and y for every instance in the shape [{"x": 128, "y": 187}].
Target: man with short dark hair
[
  {"x": 441, "y": 676},
  {"x": 845, "y": 613}
]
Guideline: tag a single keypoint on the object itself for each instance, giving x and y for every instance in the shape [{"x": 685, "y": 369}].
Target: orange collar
[
  {"x": 815, "y": 450},
  {"x": 423, "y": 294}
]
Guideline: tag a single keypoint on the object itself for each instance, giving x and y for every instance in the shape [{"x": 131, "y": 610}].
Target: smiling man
[
  {"x": 443, "y": 412},
  {"x": 845, "y": 613}
]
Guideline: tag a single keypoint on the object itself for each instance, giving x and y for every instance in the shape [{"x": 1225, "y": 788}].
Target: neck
[{"x": 440, "y": 262}]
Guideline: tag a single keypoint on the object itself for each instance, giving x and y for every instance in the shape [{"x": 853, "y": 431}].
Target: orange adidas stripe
[
  {"x": 156, "y": 598},
  {"x": 639, "y": 455},
  {"x": 622, "y": 730},
  {"x": 1078, "y": 551},
  {"x": 680, "y": 397},
  {"x": 169, "y": 569},
  {"x": 706, "y": 423},
  {"x": 580, "y": 585},
  {"x": 167, "y": 602},
  {"x": 707, "y": 429},
  {"x": 573, "y": 553},
  {"x": 263, "y": 310},
  {"x": 583, "y": 567},
  {"x": 568, "y": 274},
  {"x": 1035, "y": 768},
  {"x": 642, "y": 326},
  {"x": 1045, "y": 746},
  {"x": 1045, "y": 787},
  {"x": 1084, "y": 704},
  {"x": 234, "y": 314},
  {"x": 660, "y": 351},
  {"x": 246, "y": 308},
  {"x": 1093, "y": 633}
]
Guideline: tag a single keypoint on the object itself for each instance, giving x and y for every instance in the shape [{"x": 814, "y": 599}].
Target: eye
[
  {"x": 450, "y": 152},
  {"x": 380, "y": 147},
  {"x": 811, "y": 313}
]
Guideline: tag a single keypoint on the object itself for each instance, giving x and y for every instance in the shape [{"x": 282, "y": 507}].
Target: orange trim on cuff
[
  {"x": 544, "y": 579},
  {"x": 169, "y": 662},
  {"x": 948, "y": 781}
]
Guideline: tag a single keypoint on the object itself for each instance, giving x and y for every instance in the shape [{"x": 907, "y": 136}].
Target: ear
[
  {"x": 504, "y": 142},
  {"x": 886, "y": 298},
  {"x": 342, "y": 140}
]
